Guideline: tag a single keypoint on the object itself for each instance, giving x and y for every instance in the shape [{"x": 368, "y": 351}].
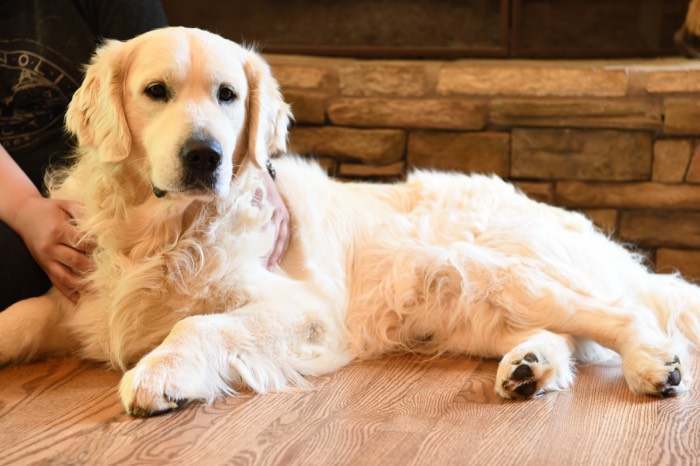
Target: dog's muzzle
[{"x": 200, "y": 159}]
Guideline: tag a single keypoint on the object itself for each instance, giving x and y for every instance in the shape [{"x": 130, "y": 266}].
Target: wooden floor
[{"x": 399, "y": 410}]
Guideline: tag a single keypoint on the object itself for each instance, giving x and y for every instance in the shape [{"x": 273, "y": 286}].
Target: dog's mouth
[
  {"x": 201, "y": 162},
  {"x": 195, "y": 189}
]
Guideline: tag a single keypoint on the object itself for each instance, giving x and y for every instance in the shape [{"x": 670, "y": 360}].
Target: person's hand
[
  {"x": 46, "y": 228},
  {"x": 280, "y": 221}
]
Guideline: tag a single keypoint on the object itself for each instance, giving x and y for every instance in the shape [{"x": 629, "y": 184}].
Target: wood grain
[{"x": 394, "y": 410}]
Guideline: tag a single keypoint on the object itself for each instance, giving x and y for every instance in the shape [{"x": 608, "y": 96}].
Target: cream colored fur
[{"x": 444, "y": 263}]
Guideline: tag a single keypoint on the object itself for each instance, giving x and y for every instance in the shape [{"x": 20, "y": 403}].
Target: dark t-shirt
[{"x": 44, "y": 45}]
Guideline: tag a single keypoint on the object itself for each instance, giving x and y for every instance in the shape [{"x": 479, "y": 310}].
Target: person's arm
[{"x": 44, "y": 226}]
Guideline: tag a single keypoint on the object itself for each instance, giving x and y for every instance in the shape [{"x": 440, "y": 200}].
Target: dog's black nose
[{"x": 201, "y": 155}]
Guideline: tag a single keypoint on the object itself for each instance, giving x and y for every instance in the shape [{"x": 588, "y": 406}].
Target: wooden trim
[
  {"x": 554, "y": 52},
  {"x": 515, "y": 28},
  {"x": 388, "y": 52},
  {"x": 501, "y": 51}
]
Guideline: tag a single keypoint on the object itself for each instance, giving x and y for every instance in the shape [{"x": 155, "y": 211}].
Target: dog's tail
[{"x": 677, "y": 304}]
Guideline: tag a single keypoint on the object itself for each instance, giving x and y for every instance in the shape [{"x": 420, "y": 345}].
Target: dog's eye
[
  {"x": 226, "y": 94},
  {"x": 157, "y": 91}
]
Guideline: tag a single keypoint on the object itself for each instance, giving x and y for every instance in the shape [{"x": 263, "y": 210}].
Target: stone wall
[{"x": 617, "y": 140}]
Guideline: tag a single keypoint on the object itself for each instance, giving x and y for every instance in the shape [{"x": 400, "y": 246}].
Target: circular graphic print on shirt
[{"x": 34, "y": 92}]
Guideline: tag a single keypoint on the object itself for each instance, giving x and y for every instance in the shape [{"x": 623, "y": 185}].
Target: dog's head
[{"x": 186, "y": 104}]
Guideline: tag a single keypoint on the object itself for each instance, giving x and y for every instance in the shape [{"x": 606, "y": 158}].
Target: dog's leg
[
  {"x": 652, "y": 361},
  {"x": 677, "y": 305},
  {"x": 34, "y": 328},
  {"x": 207, "y": 356},
  {"x": 540, "y": 363}
]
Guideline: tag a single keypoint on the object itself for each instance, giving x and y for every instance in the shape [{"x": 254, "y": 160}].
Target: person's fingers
[
  {"x": 285, "y": 241},
  {"x": 73, "y": 296},
  {"x": 78, "y": 262},
  {"x": 281, "y": 244},
  {"x": 257, "y": 197},
  {"x": 73, "y": 209},
  {"x": 86, "y": 246},
  {"x": 71, "y": 238},
  {"x": 66, "y": 268},
  {"x": 68, "y": 235},
  {"x": 274, "y": 258},
  {"x": 65, "y": 281}
]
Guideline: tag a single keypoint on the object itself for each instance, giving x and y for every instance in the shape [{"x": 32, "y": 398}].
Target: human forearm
[
  {"x": 45, "y": 226},
  {"x": 15, "y": 189}
]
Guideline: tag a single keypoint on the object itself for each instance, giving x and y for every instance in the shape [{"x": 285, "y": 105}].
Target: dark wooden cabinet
[
  {"x": 595, "y": 28},
  {"x": 443, "y": 28}
]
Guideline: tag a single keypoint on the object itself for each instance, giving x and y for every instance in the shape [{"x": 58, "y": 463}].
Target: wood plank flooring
[{"x": 393, "y": 411}]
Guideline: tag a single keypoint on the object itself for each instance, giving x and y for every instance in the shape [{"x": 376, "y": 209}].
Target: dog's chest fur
[{"x": 201, "y": 259}]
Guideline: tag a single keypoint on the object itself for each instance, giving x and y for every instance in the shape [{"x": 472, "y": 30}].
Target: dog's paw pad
[
  {"x": 522, "y": 372},
  {"x": 526, "y": 376},
  {"x": 674, "y": 378},
  {"x": 669, "y": 387},
  {"x": 526, "y": 389}
]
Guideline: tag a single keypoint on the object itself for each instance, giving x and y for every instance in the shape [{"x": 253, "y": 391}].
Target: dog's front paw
[
  {"x": 655, "y": 371},
  {"x": 151, "y": 388},
  {"x": 526, "y": 374}
]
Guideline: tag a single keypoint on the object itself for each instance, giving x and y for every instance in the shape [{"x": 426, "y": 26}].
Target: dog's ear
[
  {"x": 96, "y": 113},
  {"x": 268, "y": 114}
]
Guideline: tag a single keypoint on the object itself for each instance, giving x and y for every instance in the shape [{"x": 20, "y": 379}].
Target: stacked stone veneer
[{"x": 617, "y": 140}]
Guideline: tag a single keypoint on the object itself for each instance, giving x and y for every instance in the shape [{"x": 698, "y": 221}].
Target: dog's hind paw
[
  {"x": 655, "y": 372},
  {"x": 523, "y": 377},
  {"x": 527, "y": 373}
]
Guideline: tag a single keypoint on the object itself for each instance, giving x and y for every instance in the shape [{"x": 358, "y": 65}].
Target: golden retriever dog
[{"x": 174, "y": 130}]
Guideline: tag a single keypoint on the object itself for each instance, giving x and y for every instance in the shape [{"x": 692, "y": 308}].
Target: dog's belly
[
  {"x": 457, "y": 272},
  {"x": 426, "y": 298}
]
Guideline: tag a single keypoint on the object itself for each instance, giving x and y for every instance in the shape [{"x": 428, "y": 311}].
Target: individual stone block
[
  {"x": 357, "y": 170},
  {"x": 682, "y": 115},
  {"x": 307, "y": 106},
  {"x": 687, "y": 262},
  {"x": 300, "y": 76},
  {"x": 543, "y": 192},
  {"x": 661, "y": 228},
  {"x": 577, "y": 112},
  {"x": 377, "y": 146},
  {"x": 464, "y": 152},
  {"x": 671, "y": 158},
  {"x": 409, "y": 113},
  {"x": 518, "y": 78},
  {"x": 687, "y": 80},
  {"x": 569, "y": 154},
  {"x": 627, "y": 195},
  {"x": 329, "y": 165},
  {"x": 376, "y": 79}
]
